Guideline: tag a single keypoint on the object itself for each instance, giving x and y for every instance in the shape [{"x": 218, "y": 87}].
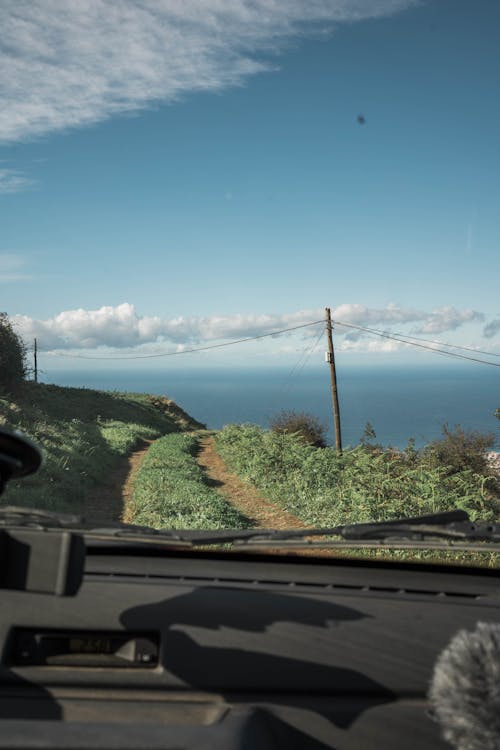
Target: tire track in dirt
[
  {"x": 111, "y": 501},
  {"x": 263, "y": 513}
]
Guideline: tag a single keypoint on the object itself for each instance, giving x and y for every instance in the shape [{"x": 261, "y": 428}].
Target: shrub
[
  {"x": 368, "y": 439},
  {"x": 307, "y": 426},
  {"x": 12, "y": 356},
  {"x": 461, "y": 449}
]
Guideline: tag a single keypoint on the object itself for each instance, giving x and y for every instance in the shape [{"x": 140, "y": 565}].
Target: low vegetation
[
  {"x": 306, "y": 426},
  {"x": 325, "y": 488},
  {"x": 460, "y": 450},
  {"x": 171, "y": 490},
  {"x": 84, "y": 434}
]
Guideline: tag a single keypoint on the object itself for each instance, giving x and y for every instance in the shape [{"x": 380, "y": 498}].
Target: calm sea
[{"x": 399, "y": 401}]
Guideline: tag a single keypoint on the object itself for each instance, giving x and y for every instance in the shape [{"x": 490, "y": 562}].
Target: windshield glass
[{"x": 249, "y": 260}]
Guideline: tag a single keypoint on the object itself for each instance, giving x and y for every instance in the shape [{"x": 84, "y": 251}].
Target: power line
[
  {"x": 196, "y": 349},
  {"x": 309, "y": 353},
  {"x": 301, "y": 362},
  {"x": 286, "y": 384},
  {"x": 401, "y": 338},
  {"x": 442, "y": 343},
  {"x": 412, "y": 343}
]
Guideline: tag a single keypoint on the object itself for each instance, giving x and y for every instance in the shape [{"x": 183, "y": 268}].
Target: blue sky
[{"x": 173, "y": 174}]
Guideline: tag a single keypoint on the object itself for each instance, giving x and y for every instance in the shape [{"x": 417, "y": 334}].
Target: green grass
[
  {"x": 171, "y": 490},
  {"x": 326, "y": 489},
  {"x": 84, "y": 434},
  {"x": 323, "y": 488}
]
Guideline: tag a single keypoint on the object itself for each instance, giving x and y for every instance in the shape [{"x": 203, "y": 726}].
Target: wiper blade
[
  {"x": 454, "y": 525},
  {"x": 450, "y": 528},
  {"x": 12, "y": 516},
  {"x": 20, "y": 517}
]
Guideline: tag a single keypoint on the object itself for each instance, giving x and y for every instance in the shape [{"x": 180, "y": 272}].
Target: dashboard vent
[{"x": 281, "y": 584}]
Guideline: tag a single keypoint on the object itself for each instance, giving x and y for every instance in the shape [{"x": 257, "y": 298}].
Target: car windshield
[{"x": 249, "y": 260}]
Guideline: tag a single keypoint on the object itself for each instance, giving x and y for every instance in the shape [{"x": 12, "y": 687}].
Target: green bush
[
  {"x": 306, "y": 426},
  {"x": 12, "y": 357},
  {"x": 461, "y": 450}
]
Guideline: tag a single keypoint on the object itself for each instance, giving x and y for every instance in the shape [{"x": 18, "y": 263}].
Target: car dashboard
[{"x": 220, "y": 650}]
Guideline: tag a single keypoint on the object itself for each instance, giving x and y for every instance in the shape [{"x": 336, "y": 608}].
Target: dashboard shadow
[{"x": 209, "y": 643}]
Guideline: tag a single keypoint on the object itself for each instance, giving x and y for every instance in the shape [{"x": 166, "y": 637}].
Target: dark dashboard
[{"x": 213, "y": 650}]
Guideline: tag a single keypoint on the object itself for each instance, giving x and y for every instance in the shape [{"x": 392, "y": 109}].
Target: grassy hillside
[
  {"x": 84, "y": 434},
  {"x": 324, "y": 488}
]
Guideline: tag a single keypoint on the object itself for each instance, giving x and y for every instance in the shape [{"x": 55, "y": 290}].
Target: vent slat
[{"x": 341, "y": 587}]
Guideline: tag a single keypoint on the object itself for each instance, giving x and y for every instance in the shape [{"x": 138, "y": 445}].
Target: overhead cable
[
  {"x": 195, "y": 349},
  {"x": 442, "y": 343},
  {"x": 402, "y": 340}
]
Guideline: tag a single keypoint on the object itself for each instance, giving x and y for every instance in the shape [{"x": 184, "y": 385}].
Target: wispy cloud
[
  {"x": 121, "y": 327},
  {"x": 448, "y": 319},
  {"x": 11, "y": 268},
  {"x": 65, "y": 64},
  {"x": 361, "y": 315},
  {"x": 14, "y": 180}
]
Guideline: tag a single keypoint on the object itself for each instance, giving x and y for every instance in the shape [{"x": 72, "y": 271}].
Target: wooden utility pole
[
  {"x": 330, "y": 358},
  {"x": 35, "y": 360}
]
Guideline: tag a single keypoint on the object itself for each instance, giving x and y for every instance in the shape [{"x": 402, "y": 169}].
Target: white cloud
[
  {"x": 121, "y": 327},
  {"x": 361, "y": 315},
  {"x": 67, "y": 64},
  {"x": 442, "y": 319},
  {"x": 448, "y": 319},
  {"x": 13, "y": 180}
]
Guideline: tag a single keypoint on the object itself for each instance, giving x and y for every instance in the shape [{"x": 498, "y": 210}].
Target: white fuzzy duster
[{"x": 465, "y": 689}]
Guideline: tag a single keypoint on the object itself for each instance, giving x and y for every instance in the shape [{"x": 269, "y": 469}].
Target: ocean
[{"x": 399, "y": 401}]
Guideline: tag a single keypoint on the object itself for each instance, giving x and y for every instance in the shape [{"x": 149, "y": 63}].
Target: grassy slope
[
  {"x": 84, "y": 434},
  {"x": 171, "y": 490},
  {"x": 324, "y": 489}
]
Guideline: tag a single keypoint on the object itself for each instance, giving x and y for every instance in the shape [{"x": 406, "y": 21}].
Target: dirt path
[
  {"x": 111, "y": 500},
  {"x": 262, "y": 512}
]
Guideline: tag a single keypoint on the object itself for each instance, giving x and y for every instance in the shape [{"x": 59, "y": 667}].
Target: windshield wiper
[
  {"x": 12, "y": 516},
  {"x": 450, "y": 528},
  {"x": 20, "y": 517}
]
